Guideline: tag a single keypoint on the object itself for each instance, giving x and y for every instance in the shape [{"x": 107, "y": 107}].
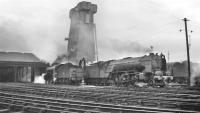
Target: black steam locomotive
[{"x": 124, "y": 72}]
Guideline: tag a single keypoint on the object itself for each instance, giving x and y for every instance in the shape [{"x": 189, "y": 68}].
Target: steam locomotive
[{"x": 123, "y": 72}]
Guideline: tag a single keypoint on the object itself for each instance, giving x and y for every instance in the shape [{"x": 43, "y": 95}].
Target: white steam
[
  {"x": 195, "y": 73},
  {"x": 39, "y": 79}
]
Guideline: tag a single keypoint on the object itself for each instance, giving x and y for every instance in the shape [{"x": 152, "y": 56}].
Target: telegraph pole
[{"x": 188, "y": 52}]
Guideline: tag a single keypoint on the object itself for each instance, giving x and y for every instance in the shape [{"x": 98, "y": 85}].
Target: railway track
[
  {"x": 137, "y": 98},
  {"x": 183, "y": 94},
  {"x": 63, "y": 99},
  {"x": 30, "y": 103}
]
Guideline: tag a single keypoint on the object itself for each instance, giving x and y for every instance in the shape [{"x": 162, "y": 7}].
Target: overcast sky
[{"x": 40, "y": 26}]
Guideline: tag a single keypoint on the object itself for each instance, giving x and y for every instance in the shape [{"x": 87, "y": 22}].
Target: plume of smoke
[
  {"x": 121, "y": 46},
  {"x": 11, "y": 38},
  {"x": 16, "y": 37},
  {"x": 195, "y": 73}
]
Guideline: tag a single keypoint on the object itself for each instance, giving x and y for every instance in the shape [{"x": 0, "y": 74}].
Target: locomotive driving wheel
[{"x": 150, "y": 83}]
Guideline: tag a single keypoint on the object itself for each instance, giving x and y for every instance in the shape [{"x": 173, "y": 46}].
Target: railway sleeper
[
  {"x": 190, "y": 106},
  {"x": 4, "y": 110},
  {"x": 89, "y": 111},
  {"x": 12, "y": 107},
  {"x": 37, "y": 106}
]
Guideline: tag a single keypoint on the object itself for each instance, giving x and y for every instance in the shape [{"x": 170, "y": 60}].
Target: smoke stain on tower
[{"x": 81, "y": 41}]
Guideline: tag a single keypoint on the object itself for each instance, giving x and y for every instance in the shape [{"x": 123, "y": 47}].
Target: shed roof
[{"x": 18, "y": 57}]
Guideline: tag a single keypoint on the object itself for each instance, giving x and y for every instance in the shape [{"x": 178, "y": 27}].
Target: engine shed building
[{"x": 20, "y": 67}]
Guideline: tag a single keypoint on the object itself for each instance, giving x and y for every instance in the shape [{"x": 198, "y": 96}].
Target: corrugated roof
[{"x": 18, "y": 57}]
